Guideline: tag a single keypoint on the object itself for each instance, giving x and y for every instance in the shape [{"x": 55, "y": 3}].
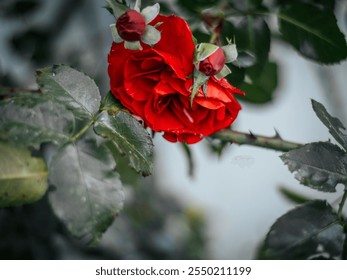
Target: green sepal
[
  {"x": 230, "y": 53},
  {"x": 199, "y": 80},
  {"x": 117, "y": 8},
  {"x": 151, "y": 36},
  {"x": 224, "y": 72},
  {"x": 115, "y": 35},
  {"x": 150, "y": 12},
  {"x": 135, "y": 45},
  {"x": 137, "y": 6},
  {"x": 204, "y": 50}
]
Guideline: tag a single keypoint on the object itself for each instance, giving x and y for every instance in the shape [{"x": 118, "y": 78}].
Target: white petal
[
  {"x": 230, "y": 52},
  {"x": 151, "y": 36},
  {"x": 135, "y": 45},
  {"x": 151, "y": 12},
  {"x": 115, "y": 35}
]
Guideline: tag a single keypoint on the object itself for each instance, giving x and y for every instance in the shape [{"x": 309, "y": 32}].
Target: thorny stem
[
  {"x": 241, "y": 138},
  {"x": 11, "y": 91},
  {"x": 342, "y": 203}
]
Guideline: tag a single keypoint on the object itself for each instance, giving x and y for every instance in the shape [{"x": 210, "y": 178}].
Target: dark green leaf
[
  {"x": 246, "y": 5},
  {"x": 334, "y": 124},
  {"x": 88, "y": 193},
  {"x": 23, "y": 178},
  {"x": 32, "y": 119},
  {"x": 319, "y": 3},
  {"x": 311, "y": 231},
  {"x": 127, "y": 174},
  {"x": 201, "y": 36},
  {"x": 261, "y": 88},
  {"x": 130, "y": 138},
  {"x": 197, "y": 5},
  {"x": 320, "y": 165},
  {"x": 293, "y": 196},
  {"x": 237, "y": 75},
  {"x": 74, "y": 89},
  {"x": 252, "y": 38},
  {"x": 313, "y": 32}
]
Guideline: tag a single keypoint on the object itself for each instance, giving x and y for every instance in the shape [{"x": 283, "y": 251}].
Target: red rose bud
[
  {"x": 131, "y": 26},
  {"x": 213, "y": 64}
]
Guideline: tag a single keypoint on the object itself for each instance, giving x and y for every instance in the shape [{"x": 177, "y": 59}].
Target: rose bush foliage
[{"x": 155, "y": 84}]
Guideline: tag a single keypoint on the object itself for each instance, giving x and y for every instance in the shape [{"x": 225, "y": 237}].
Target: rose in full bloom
[{"x": 155, "y": 83}]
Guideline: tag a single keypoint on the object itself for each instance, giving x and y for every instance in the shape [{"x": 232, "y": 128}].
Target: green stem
[
  {"x": 214, "y": 38},
  {"x": 342, "y": 203},
  {"x": 83, "y": 130},
  {"x": 16, "y": 91},
  {"x": 274, "y": 143}
]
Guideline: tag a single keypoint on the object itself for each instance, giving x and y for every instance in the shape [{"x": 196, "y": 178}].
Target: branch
[
  {"x": 9, "y": 91},
  {"x": 241, "y": 138}
]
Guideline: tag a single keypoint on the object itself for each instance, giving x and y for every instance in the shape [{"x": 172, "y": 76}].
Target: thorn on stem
[
  {"x": 277, "y": 135},
  {"x": 252, "y": 136}
]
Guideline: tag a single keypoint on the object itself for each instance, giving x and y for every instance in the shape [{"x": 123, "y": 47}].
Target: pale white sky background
[{"x": 239, "y": 192}]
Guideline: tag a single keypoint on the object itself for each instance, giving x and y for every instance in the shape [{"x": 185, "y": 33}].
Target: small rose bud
[
  {"x": 131, "y": 26},
  {"x": 213, "y": 64}
]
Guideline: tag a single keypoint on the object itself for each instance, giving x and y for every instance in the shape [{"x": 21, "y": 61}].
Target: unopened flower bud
[
  {"x": 213, "y": 64},
  {"x": 131, "y": 26}
]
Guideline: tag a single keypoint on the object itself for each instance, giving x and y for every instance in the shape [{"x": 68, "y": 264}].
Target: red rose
[
  {"x": 213, "y": 64},
  {"x": 155, "y": 84}
]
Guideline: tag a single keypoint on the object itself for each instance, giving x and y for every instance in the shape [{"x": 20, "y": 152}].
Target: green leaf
[
  {"x": 74, "y": 89},
  {"x": 88, "y": 193},
  {"x": 334, "y": 124},
  {"x": 310, "y": 231},
  {"x": 293, "y": 196},
  {"x": 248, "y": 5},
  {"x": 313, "y": 32},
  {"x": 252, "y": 38},
  {"x": 260, "y": 89},
  {"x": 128, "y": 175},
  {"x": 197, "y": 5},
  {"x": 32, "y": 119},
  {"x": 23, "y": 178},
  {"x": 130, "y": 138},
  {"x": 319, "y": 3},
  {"x": 320, "y": 165},
  {"x": 237, "y": 75}
]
